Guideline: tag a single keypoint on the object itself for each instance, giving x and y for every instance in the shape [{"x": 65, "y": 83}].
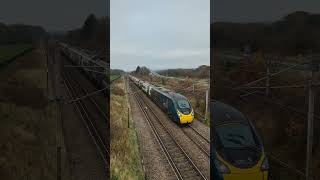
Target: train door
[
  {"x": 171, "y": 110},
  {"x": 165, "y": 104},
  {"x": 158, "y": 98},
  {"x": 153, "y": 95}
]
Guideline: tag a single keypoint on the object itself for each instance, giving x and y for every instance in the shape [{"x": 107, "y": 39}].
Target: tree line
[
  {"x": 94, "y": 33},
  {"x": 296, "y": 33},
  {"x": 19, "y": 33}
]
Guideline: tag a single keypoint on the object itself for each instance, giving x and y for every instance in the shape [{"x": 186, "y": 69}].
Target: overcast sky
[
  {"x": 51, "y": 14},
  {"x": 260, "y": 10},
  {"x": 159, "y": 34}
]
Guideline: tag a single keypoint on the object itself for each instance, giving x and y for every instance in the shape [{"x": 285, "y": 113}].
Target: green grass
[
  {"x": 27, "y": 133},
  {"x": 114, "y": 77},
  {"x": 125, "y": 160},
  {"x": 7, "y": 52}
]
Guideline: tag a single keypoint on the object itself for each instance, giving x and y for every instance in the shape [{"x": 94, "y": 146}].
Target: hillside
[
  {"x": 200, "y": 72},
  {"x": 19, "y": 33},
  {"x": 117, "y": 71},
  {"x": 296, "y": 33}
]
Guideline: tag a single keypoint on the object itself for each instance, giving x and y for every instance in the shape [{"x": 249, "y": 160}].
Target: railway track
[
  {"x": 198, "y": 139},
  {"x": 179, "y": 160},
  {"x": 87, "y": 120},
  {"x": 102, "y": 113},
  {"x": 200, "y": 134}
]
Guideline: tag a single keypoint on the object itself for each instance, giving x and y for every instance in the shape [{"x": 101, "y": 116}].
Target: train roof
[
  {"x": 224, "y": 114},
  {"x": 169, "y": 93},
  {"x": 177, "y": 96}
]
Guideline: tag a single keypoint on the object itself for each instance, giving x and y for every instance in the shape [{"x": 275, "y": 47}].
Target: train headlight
[
  {"x": 179, "y": 113},
  {"x": 265, "y": 164},
  {"x": 192, "y": 113},
  {"x": 222, "y": 167}
]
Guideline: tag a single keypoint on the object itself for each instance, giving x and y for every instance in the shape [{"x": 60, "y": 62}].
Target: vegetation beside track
[
  {"x": 125, "y": 158},
  {"x": 114, "y": 77},
  {"x": 9, "y": 52},
  {"x": 27, "y": 121}
]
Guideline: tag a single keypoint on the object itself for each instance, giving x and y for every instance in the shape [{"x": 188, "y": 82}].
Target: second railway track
[
  {"x": 182, "y": 165},
  {"x": 198, "y": 139},
  {"x": 81, "y": 107}
]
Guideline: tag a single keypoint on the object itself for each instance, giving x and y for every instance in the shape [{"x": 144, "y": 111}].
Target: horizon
[
  {"x": 155, "y": 70},
  {"x": 52, "y": 15},
  {"x": 267, "y": 22},
  {"x": 50, "y": 30},
  {"x": 263, "y": 11}
]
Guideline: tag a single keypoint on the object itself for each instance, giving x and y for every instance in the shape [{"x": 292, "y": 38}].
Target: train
[
  {"x": 94, "y": 68},
  {"x": 177, "y": 106},
  {"x": 239, "y": 152}
]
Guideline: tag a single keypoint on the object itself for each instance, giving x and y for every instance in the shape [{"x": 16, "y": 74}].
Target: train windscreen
[
  {"x": 238, "y": 144},
  {"x": 184, "y": 106},
  {"x": 236, "y": 136}
]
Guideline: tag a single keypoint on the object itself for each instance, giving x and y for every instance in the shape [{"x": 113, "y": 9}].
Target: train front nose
[{"x": 184, "y": 119}]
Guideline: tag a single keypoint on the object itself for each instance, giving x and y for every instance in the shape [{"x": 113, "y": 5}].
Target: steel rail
[
  {"x": 158, "y": 138},
  {"x": 81, "y": 108},
  {"x": 197, "y": 170},
  {"x": 198, "y": 144},
  {"x": 85, "y": 91},
  {"x": 197, "y": 132}
]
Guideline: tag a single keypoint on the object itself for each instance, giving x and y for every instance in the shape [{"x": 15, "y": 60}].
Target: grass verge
[
  {"x": 114, "y": 77},
  {"x": 8, "y": 52},
  {"x": 125, "y": 157},
  {"x": 27, "y": 122}
]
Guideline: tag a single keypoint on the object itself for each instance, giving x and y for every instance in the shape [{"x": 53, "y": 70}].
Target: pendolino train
[
  {"x": 174, "y": 104},
  {"x": 239, "y": 150},
  {"x": 94, "y": 69}
]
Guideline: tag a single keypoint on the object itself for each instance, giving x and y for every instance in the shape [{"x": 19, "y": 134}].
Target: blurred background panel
[
  {"x": 265, "y": 59},
  {"x": 42, "y": 134}
]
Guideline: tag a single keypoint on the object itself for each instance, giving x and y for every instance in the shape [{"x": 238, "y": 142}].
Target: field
[
  {"x": 114, "y": 77},
  {"x": 27, "y": 121},
  {"x": 8, "y": 52},
  {"x": 125, "y": 159}
]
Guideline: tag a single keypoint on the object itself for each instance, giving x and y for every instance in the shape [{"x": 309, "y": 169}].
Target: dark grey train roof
[
  {"x": 165, "y": 91},
  {"x": 223, "y": 114},
  {"x": 170, "y": 93},
  {"x": 177, "y": 96}
]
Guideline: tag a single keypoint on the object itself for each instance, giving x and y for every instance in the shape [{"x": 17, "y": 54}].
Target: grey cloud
[{"x": 167, "y": 34}]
